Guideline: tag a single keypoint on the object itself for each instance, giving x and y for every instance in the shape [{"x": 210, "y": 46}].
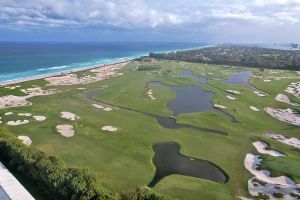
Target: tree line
[
  {"x": 57, "y": 180},
  {"x": 237, "y": 56}
]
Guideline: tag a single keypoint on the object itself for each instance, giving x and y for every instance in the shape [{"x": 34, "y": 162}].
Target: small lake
[
  {"x": 241, "y": 77},
  {"x": 189, "y": 99},
  {"x": 168, "y": 161}
]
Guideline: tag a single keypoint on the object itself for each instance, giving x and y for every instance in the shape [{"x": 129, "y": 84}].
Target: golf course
[{"x": 182, "y": 129}]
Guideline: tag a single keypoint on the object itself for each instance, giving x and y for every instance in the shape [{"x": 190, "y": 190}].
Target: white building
[{"x": 10, "y": 187}]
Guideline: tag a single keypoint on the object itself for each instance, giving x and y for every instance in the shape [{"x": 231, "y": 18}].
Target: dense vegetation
[
  {"x": 237, "y": 56},
  {"x": 56, "y": 180}
]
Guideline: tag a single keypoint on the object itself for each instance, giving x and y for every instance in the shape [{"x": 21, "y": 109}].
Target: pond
[
  {"x": 189, "y": 99},
  {"x": 168, "y": 161},
  {"x": 241, "y": 77}
]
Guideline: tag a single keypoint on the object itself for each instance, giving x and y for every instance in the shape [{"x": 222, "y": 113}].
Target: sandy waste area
[
  {"x": 263, "y": 183},
  {"x": 100, "y": 73},
  {"x": 285, "y": 115}
]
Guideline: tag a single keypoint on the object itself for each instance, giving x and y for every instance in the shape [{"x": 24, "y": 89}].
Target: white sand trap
[
  {"x": 285, "y": 115},
  {"x": 108, "y": 109},
  {"x": 259, "y": 94},
  {"x": 294, "y": 142},
  {"x": 233, "y": 91},
  {"x": 25, "y": 114},
  {"x": 150, "y": 94},
  {"x": 109, "y": 128},
  {"x": 13, "y": 101},
  {"x": 267, "y": 80},
  {"x": 261, "y": 147},
  {"x": 231, "y": 97},
  {"x": 9, "y": 113},
  {"x": 39, "y": 118},
  {"x": 25, "y": 140},
  {"x": 219, "y": 106},
  {"x": 254, "y": 108},
  {"x": 294, "y": 89},
  {"x": 17, "y": 122},
  {"x": 17, "y": 101},
  {"x": 69, "y": 116},
  {"x": 285, "y": 99},
  {"x": 65, "y": 130},
  {"x": 270, "y": 185},
  {"x": 98, "y": 106}
]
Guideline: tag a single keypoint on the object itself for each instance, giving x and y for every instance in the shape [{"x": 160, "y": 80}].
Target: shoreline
[
  {"x": 39, "y": 77},
  {"x": 43, "y": 76}
]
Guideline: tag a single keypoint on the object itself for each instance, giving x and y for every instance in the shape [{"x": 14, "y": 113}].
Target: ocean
[{"x": 19, "y": 60}]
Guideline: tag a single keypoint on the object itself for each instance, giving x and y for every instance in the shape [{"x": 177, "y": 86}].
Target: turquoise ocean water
[{"x": 20, "y": 60}]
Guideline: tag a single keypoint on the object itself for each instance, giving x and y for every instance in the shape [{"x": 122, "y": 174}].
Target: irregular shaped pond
[
  {"x": 241, "y": 77},
  {"x": 168, "y": 160},
  {"x": 189, "y": 99}
]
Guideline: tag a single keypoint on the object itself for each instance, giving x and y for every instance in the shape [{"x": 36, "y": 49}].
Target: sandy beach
[{"x": 60, "y": 73}]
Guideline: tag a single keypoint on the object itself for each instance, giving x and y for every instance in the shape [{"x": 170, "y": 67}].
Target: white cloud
[{"x": 162, "y": 15}]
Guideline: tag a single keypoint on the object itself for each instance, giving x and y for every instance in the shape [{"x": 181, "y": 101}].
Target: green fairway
[{"x": 123, "y": 160}]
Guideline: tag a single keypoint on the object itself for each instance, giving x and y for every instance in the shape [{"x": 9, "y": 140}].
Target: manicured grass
[{"x": 122, "y": 160}]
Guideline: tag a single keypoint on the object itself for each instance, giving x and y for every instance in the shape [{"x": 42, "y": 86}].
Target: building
[{"x": 10, "y": 187}]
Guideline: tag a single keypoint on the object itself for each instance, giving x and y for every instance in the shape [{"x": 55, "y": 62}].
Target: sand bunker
[
  {"x": 17, "y": 122},
  {"x": 259, "y": 94},
  {"x": 69, "y": 116},
  {"x": 109, "y": 128},
  {"x": 13, "y": 101},
  {"x": 285, "y": 115},
  {"x": 219, "y": 106},
  {"x": 107, "y": 109},
  {"x": 233, "y": 91},
  {"x": 65, "y": 130},
  {"x": 261, "y": 147},
  {"x": 25, "y": 140},
  {"x": 25, "y": 114},
  {"x": 37, "y": 91},
  {"x": 100, "y": 73},
  {"x": 231, "y": 97},
  {"x": 150, "y": 94},
  {"x": 294, "y": 89},
  {"x": 294, "y": 142},
  {"x": 39, "y": 118},
  {"x": 16, "y": 101},
  {"x": 9, "y": 113},
  {"x": 254, "y": 108},
  {"x": 267, "y": 80},
  {"x": 285, "y": 99},
  {"x": 263, "y": 183},
  {"x": 98, "y": 106}
]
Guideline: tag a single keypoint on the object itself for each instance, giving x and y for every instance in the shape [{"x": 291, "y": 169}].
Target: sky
[{"x": 239, "y": 21}]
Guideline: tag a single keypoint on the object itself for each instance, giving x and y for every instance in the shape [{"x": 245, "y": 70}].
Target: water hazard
[{"x": 168, "y": 161}]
